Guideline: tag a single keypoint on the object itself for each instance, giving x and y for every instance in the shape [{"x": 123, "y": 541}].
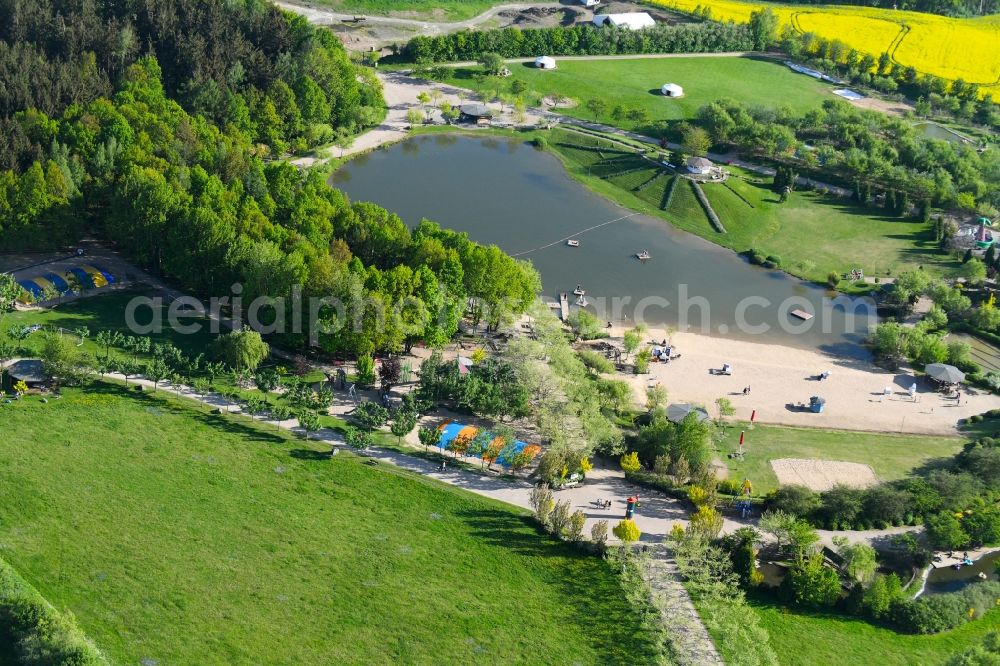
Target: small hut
[
  {"x": 671, "y": 90},
  {"x": 699, "y": 165},
  {"x": 475, "y": 113},
  {"x": 545, "y": 62},
  {"x": 31, "y": 371}
]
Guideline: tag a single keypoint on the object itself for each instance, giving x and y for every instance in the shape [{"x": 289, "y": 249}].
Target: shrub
[
  {"x": 772, "y": 261},
  {"x": 833, "y": 279},
  {"x": 755, "y": 256},
  {"x": 541, "y": 502},
  {"x": 599, "y": 533},
  {"x": 559, "y": 519},
  {"x": 945, "y": 532},
  {"x": 940, "y": 612},
  {"x": 630, "y": 462},
  {"x": 576, "y": 523},
  {"x": 797, "y": 500},
  {"x": 627, "y": 531},
  {"x": 812, "y": 583}
]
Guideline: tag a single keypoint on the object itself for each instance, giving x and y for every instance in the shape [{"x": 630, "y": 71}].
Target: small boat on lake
[
  {"x": 573, "y": 242},
  {"x": 579, "y": 291},
  {"x": 801, "y": 314},
  {"x": 582, "y": 301},
  {"x": 643, "y": 256}
]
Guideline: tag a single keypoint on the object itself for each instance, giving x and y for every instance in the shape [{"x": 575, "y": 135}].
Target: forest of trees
[
  {"x": 156, "y": 125},
  {"x": 705, "y": 37}
]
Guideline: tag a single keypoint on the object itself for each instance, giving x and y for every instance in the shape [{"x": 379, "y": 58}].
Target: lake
[
  {"x": 947, "y": 579},
  {"x": 507, "y": 192}
]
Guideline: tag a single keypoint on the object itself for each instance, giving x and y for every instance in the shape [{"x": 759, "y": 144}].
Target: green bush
[
  {"x": 935, "y": 613},
  {"x": 772, "y": 261}
]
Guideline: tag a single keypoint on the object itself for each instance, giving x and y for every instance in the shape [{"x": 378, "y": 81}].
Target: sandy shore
[{"x": 781, "y": 377}]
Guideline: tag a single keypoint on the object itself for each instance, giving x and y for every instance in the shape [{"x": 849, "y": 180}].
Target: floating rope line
[{"x": 580, "y": 233}]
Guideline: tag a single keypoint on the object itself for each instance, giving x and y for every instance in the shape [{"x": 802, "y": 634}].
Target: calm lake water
[
  {"x": 947, "y": 579},
  {"x": 504, "y": 191}
]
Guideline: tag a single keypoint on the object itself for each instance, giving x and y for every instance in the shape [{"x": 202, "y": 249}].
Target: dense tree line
[
  {"x": 580, "y": 40},
  {"x": 874, "y": 152},
  {"x": 244, "y": 64},
  {"x": 188, "y": 189}
]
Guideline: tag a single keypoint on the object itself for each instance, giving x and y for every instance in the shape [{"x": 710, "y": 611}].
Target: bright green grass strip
[
  {"x": 802, "y": 638},
  {"x": 891, "y": 456},
  {"x": 185, "y": 537}
]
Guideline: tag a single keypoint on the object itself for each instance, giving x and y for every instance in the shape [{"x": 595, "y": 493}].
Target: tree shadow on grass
[
  {"x": 168, "y": 403},
  {"x": 309, "y": 454}
]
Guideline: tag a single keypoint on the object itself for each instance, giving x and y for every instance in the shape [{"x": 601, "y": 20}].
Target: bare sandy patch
[{"x": 822, "y": 474}]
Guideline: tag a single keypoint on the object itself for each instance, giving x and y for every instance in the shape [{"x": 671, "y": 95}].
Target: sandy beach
[{"x": 781, "y": 377}]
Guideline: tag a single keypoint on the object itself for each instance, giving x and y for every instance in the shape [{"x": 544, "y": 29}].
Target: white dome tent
[
  {"x": 672, "y": 90},
  {"x": 545, "y": 62}
]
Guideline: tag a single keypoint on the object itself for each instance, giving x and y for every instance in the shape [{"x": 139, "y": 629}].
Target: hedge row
[
  {"x": 35, "y": 631},
  {"x": 703, "y": 200},
  {"x": 708, "y": 37}
]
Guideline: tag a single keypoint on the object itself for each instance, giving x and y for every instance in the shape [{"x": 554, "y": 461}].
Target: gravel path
[{"x": 692, "y": 643}]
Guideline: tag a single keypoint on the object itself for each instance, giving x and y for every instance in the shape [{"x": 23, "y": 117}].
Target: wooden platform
[
  {"x": 801, "y": 314},
  {"x": 564, "y": 306}
]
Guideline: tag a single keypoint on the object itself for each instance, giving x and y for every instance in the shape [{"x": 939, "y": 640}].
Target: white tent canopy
[
  {"x": 631, "y": 20},
  {"x": 545, "y": 62},
  {"x": 672, "y": 90}
]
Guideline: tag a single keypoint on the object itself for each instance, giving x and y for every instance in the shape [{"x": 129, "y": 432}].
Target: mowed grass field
[
  {"x": 180, "y": 537},
  {"x": 891, "y": 456},
  {"x": 947, "y": 47},
  {"x": 635, "y": 84},
  {"x": 812, "y": 233},
  {"x": 803, "y": 638}
]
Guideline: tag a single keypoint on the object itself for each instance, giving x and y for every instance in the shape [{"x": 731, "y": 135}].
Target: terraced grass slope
[
  {"x": 946, "y": 47},
  {"x": 812, "y": 233},
  {"x": 179, "y": 537}
]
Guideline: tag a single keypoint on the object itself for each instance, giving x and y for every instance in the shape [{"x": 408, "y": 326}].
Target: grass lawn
[
  {"x": 891, "y": 456},
  {"x": 812, "y": 233},
  {"x": 183, "y": 537},
  {"x": 106, "y": 311},
  {"x": 801, "y": 638},
  {"x": 635, "y": 84}
]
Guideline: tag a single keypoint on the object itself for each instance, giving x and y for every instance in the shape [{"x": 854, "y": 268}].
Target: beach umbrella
[{"x": 944, "y": 373}]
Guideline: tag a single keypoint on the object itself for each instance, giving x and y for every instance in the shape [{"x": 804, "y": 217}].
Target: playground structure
[{"x": 450, "y": 431}]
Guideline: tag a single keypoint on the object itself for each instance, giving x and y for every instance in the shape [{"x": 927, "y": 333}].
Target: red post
[{"x": 753, "y": 416}]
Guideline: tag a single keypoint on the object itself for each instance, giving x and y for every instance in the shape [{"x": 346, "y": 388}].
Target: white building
[
  {"x": 545, "y": 62},
  {"x": 590, "y": 3},
  {"x": 672, "y": 90},
  {"x": 699, "y": 165},
  {"x": 631, "y": 20}
]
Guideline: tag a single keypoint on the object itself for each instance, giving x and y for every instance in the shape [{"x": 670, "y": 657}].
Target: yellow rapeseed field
[{"x": 950, "y": 48}]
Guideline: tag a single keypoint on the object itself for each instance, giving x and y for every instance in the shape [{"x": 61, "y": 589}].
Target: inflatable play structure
[
  {"x": 450, "y": 431},
  {"x": 89, "y": 276}
]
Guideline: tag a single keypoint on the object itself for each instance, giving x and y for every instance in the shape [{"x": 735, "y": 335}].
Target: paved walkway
[{"x": 691, "y": 640}]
